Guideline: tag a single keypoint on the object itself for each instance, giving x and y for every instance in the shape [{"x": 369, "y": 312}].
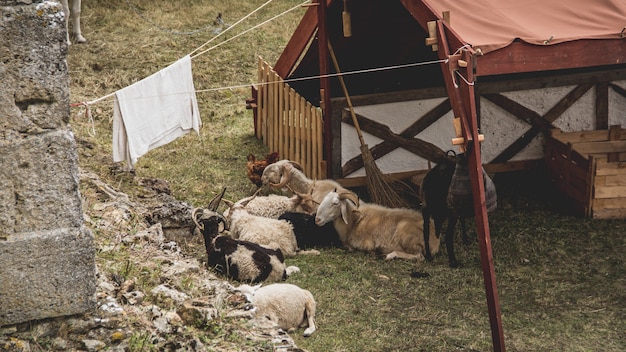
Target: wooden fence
[{"x": 288, "y": 124}]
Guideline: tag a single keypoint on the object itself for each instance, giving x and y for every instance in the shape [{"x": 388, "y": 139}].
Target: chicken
[{"x": 255, "y": 167}]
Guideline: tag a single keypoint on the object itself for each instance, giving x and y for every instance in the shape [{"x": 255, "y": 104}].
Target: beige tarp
[{"x": 494, "y": 24}]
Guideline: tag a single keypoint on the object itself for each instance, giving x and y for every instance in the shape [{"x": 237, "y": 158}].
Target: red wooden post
[
  {"x": 322, "y": 39},
  {"x": 462, "y": 100}
]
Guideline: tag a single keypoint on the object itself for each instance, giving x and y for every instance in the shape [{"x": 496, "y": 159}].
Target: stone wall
[{"x": 47, "y": 258}]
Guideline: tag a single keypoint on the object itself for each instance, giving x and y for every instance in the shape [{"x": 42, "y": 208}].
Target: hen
[{"x": 255, "y": 167}]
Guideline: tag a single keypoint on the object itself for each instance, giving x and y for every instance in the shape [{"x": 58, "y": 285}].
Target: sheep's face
[
  {"x": 329, "y": 209},
  {"x": 272, "y": 174}
]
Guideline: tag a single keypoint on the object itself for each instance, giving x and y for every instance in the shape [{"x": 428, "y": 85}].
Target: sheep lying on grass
[
  {"x": 272, "y": 206},
  {"x": 286, "y": 173},
  {"x": 287, "y": 305},
  {"x": 394, "y": 232},
  {"x": 310, "y": 235},
  {"x": 240, "y": 260},
  {"x": 271, "y": 233}
]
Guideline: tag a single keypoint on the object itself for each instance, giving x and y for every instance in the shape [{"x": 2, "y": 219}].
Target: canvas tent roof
[
  {"x": 513, "y": 37},
  {"x": 494, "y": 24}
]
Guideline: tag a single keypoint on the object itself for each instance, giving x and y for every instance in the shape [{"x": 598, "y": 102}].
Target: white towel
[{"x": 154, "y": 112}]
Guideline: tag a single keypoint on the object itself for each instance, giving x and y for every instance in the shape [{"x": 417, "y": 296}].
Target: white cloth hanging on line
[{"x": 154, "y": 112}]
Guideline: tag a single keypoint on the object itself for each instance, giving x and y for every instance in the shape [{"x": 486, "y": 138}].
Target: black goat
[
  {"x": 447, "y": 195},
  {"x": 310, "y": 235},
  {"x": 237, "y": 259}
]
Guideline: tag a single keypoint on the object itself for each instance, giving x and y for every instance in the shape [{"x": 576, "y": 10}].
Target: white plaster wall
[
  {"x": 617, "y": 106},
  {"x": 499, "y": 127},
  {"x": 398, "y": 116}
]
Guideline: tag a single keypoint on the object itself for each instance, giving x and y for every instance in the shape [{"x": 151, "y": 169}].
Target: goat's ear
[{"x": 344, "y": 211}]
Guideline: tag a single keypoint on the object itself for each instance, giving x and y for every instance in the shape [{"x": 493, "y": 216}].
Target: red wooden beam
[
  {"x": 462, "y": 100},
  {"x": 298, "y": 41},
  {"x": 325, "y": 105},
  {"x": 523, "y": 57}
]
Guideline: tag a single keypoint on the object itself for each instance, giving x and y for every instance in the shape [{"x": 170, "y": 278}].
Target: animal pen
[{"x": 499, "y": 69}]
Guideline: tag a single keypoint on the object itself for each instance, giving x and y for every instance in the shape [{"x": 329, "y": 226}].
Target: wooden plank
[
  {"x": 609, "y": 203},
  {"x": 619, "y": 90},
  {"x": 602, "y": 105},
  {"x": 360, "y": 181},
  {"x": 585, "y": 136},
  {"x": 615, "y": 132},
  {"x": 600, "y": 147},
  {"x": 561, "y": 78},
  {"x": 299, "y": 41},
  {"x": 521, "y": 57},
  {"x": 610, "y": 192},
  {"x": 390, "y": 97},
  {"x": 609, "y": 214},
  {"x": 606, "y": 168},
  {"x": 281, "y": 120}
]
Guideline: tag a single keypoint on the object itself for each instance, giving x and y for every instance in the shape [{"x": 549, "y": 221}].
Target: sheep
[
  {"x": 273, "y": 205},
  {"x": 442, "y": 202},
  {"x": 73, "y": 15},
  {"x": 394, "y": 232},
  {"x": 238, "y": 260},
  {"x": 287, "y": 305},
  {"x": 271, "y": 233},
  {"x": 308, "y": 234},
  {"x": 285, "y": 173}
]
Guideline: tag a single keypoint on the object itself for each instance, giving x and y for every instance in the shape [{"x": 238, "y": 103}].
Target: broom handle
[{"x": 345, "y": 93}]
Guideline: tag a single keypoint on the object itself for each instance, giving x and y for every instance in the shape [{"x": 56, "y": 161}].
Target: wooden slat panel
[
  {"x": 606, "y": 168},
  {"x": 292, "y": 124},
  {"x": 609, "y": 214},
  {"x": 600, "y": 147},
  {"x": 583, "y": 136},
  {"x": 610, "y": 192},
  {"x": 609, "y": 203}
]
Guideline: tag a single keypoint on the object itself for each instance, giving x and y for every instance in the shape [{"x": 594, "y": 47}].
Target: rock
[
  {"x": 196, "y": 312},
  {"x": 164, "y": 291},
  {"x": 93, "y": 345}
]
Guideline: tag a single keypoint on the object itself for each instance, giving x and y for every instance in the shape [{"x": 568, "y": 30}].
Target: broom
[{"x": 378, "y": 186}]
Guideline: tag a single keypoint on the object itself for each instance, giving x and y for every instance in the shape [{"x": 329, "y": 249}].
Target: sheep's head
[
  {"x": 278, "y": 174},
  {"x": 334, "y": 205},
  {"x": 208, "y": 222},
  {"x": 303, "y": 202}
]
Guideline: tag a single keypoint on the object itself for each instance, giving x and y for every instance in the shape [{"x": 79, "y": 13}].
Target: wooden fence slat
[{"x": 287, "y": 123}]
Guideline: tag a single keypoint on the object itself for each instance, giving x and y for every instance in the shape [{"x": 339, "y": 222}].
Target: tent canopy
[{"x": 510, "y": 37}]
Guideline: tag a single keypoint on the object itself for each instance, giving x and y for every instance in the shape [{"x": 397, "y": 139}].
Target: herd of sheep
[{"x": 263, "y": 230}]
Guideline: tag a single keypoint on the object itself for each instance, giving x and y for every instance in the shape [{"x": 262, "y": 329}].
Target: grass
[{"x": 561, "y": 279}]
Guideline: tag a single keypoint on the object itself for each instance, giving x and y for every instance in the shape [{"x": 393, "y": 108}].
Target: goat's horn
[
  {"x": 195, "y": 221},
  {"x": 228, "y": 203},
  {"x": 285, "y": 177},
  {"x": 349, "y": 196},
  {"x": 297, "y": 165},
  {"x": 215, "y": 202},
  {"x": 251, "y": 197}
]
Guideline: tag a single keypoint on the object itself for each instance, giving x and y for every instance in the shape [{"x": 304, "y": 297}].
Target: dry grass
[{"x": 561, "y": 279}]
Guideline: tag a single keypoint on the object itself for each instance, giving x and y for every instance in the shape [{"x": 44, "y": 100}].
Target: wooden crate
[{"x": 589, "y": 167}]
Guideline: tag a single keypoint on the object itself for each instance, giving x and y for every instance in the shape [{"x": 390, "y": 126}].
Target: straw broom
[{"x": 378, "y": 185}]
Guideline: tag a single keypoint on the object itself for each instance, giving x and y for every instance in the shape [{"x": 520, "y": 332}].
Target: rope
[
  {"x": 230, "y": 27},
  {"x": 248, "y": 30}
]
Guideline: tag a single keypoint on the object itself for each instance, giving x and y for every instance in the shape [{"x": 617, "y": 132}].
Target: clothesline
[
  {"x": 289, "y": 80},
  {"x": 95, "y": 101}
]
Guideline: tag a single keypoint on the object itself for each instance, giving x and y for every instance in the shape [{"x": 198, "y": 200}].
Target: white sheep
[
  {"x": 73, "y": 15},
  {"x": 273, "y": 205},
  {"x": 285, "y": 173},
  {"x": 272, "y": 233},
  {"x": 394, "y": 232},
  {"x": 287, "y": 305}
]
